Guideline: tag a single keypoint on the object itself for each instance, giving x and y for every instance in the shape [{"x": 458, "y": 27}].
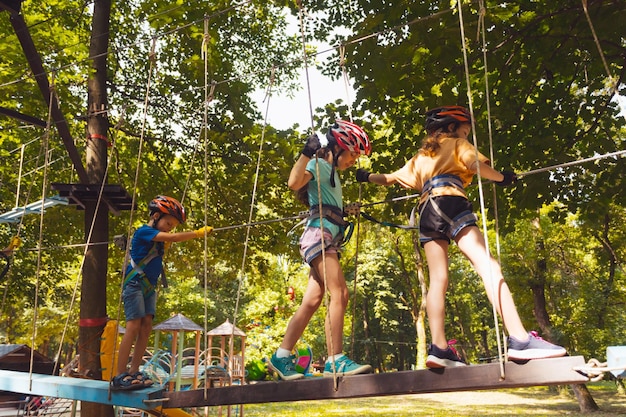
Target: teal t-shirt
[{"x": 330, "y": 195}]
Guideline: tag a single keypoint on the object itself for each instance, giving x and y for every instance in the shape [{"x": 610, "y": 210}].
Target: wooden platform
[
  {"x": 114, "y": 196},
  {"x": 539, "y": 372},
  {"x": 78, "y": 389},
  {"x": 559, "y": 371}
]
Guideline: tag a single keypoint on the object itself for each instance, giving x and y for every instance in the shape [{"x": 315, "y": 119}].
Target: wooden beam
[
  {"x": 22, "y": 117},
  {"x": 12, "y": 6},
  {"x": 559, "y": 371},
  {"x": 78, "y": 389}
]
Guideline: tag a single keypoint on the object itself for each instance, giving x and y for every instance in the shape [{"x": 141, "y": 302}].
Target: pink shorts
[{"x": 311, "y": 244}]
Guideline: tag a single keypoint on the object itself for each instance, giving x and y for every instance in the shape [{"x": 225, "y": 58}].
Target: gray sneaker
[{"x": 534, "y": 348}]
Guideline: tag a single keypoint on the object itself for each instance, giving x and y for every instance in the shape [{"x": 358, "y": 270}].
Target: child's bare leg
[
  {"x": 142, "y": 343},
  {"x": 338, "y": 302},
  {"x": 310, "y": 303},
  {"x": 130, "y": 335},
  {"x": 472, "y": 244},
  {"x": 437, "y": 258}
]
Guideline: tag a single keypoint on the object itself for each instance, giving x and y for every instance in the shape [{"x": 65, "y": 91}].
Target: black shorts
[{"x": 434, "y": 226}]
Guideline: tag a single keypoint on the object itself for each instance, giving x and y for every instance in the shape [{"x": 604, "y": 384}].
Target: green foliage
[{"x": 550, "y": 103}]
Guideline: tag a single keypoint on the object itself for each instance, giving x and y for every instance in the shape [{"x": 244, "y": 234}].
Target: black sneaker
[
  {"x": 444, "y": 358},
  {"x": 534, "y": 348}
]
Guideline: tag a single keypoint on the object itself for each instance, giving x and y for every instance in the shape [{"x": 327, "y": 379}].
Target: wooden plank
[
  {"x": 559, "y": 371},
  {"x": 78, "y": 389}
]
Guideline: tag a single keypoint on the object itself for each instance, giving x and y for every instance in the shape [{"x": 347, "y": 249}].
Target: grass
[{"x": 523, "y": 402}]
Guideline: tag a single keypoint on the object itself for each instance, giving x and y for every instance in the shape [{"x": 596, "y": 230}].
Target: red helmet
[
  {"x": 168, "y": 205},
  {"x": 443, "y": 116},
  {"x": 349, "y": 137}
]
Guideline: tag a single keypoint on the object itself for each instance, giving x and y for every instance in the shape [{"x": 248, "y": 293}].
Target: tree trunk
[
  {"x": 585, "y": 400},
  {"x": 538, "y": 287},
  {"x": 93, "y": 290}
]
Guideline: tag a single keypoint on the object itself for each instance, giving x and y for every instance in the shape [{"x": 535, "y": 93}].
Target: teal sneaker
[
  {"x": 285, "y": 367},
  {"x": 345, "y": 366}
]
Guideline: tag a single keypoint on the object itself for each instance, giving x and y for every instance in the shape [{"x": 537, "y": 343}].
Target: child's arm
[
  {"x": 182, "y": 236},
  {"x": 503, "y": 178},
  {"x": 299, "y": 176},
  {"x": 380, "y": 179}
]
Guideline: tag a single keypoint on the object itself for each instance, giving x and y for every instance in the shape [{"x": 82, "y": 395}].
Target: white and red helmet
[{"x": 349, "y": 137}]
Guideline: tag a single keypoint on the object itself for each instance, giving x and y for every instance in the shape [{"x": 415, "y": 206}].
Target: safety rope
[
  {"x": 344, "y": 72},
  {"x": 327, "y": 300},
  {"x": 205, "y": 122},
  {"x": 45, "y": 143},
  {"x": 496, "y": 300},
  {"x": 152, "y": 61},
  {"x": 613, "y": 80}
]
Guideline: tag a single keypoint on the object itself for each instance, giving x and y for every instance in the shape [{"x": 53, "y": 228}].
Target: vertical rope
[
  {"x": 205, "y": 55},
  {"x": 319, "y": 195},
  {"x": 480, "y": 187},
  {"x": 481, "y": 28},
  {"x": 46, "y": 141},
  {"x": 612, "y": 79},
  {"x": 344, "y": 71},
  {"x": 152, "y": 60}
]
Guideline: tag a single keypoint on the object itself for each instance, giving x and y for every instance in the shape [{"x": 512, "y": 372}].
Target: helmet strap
[
  {"x": 155, "y": 221},
  {"x": 335, "y": 162}
]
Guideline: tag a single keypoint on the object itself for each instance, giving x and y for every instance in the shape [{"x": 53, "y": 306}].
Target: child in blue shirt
[{"x": 141, "y": 278}]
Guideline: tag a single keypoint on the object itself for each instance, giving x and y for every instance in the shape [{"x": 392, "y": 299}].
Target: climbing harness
[
  {"x": 146, "y": 286},
  {"x": 458, "y": 222}
]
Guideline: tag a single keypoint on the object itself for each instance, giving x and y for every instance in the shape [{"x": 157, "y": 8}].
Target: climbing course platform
[{"x": 558, "y": 371}]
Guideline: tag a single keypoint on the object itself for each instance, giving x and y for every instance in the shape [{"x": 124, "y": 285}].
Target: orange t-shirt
[{"x": 454, "y": 157}]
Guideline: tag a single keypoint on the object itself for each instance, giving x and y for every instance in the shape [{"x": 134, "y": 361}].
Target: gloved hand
[
  {"x": 363, "y": 175},
  {"x": 311, "y": 146},
  {"x": 203, "y": 231},
  {"x": 510, "y": 177}
]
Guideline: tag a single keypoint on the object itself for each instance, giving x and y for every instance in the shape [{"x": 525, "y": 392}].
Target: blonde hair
[{"x": 432, "y": 142}]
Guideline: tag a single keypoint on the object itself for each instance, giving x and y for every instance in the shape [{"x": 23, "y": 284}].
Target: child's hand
[
  {"x": 362, "y": 175},
  {"x": 510, "y": 177},
  {"x": 311, "y": 146},
  {"x": 203, "y": 231}
]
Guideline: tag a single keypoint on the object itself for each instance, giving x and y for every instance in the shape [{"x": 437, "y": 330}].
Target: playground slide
[
  {"x": 107, "y": 348},
  {"x": 168, "y": 412}
]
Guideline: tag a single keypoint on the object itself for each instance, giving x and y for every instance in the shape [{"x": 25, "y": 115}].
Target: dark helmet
[
  {"x": 443, "y": 116},
  {"x": 349, "y": 137},
  {"x": 168, "y": 205}
]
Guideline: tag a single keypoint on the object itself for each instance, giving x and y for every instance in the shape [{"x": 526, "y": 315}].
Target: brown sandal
[
  {"x": 125, "y": 381},
  {"x": 142, "y": 378}
]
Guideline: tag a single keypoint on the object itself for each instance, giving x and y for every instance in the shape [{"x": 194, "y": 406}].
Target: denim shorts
[
  {"x": 137, "y": 306},
  {"x": 310, "y": 244}
]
